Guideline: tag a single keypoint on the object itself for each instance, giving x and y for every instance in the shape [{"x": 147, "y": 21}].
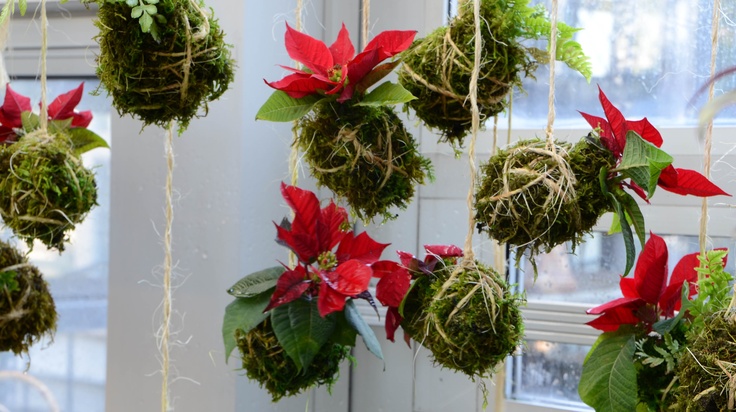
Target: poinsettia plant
[
  {"x": 17, "y": 119},
  {"x": 632, "y": 363},
  {"x": 336, "y": 73},
  {"x": 641, "y": 166},
  {"x": 312, "y": 303}
]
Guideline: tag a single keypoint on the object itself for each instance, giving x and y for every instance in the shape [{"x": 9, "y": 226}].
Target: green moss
[
  {"x": 27, "y": 311},
  {"x": 45, "y": 190},
  {"x": 155, "y": 81},
  {"x": 520, "y": 199},
  {"x": 364, "y": 155},
  {"x": 471, "y": 324},
  {"x": 266, "y": 362}
]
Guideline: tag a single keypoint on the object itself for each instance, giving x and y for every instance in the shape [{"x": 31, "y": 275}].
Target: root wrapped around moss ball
[
  {"x": 27, "y": 310},
  {"x": 536, "y": 198},
  {"x": 437, "y": 69},
  {"x": 266, "y": 362},
  {"x": 166, "y": 79},
  {"x": 364, "y": 155},
  {"x": 707, "y": 370},
  {"x": 469, "y": 318},
  {"x": 45, "y": 190}
]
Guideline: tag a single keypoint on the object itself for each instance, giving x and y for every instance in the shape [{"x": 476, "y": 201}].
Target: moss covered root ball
[
  {"x": 707, "y": 368},
  {"x": 170, "y": 79},
  {"x": 437, "y": 69},
  {"x": 522, "y": 198},
  {"x": 266, "y": 362},
  {"x": 45, "y": 190},
  {"x": 27, "y": 311},
  {"x": 364, "y": 155},
  {"x": 471, "y": 320}
]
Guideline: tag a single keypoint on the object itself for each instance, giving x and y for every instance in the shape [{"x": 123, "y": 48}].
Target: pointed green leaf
[
  {"x": 626, "y": 232},
  {"x": 29, "y": 121},
  {"x": 280, "y": 107},
  {"x": 244, "y": 314},
  {"x": 643, "y": 162},
  {"x": 58, "y": 127},
  {"x": 633, "y": 215},
  {"x": 615, "y": 225},
  {"x": 352, "y": 314},
  {"x": 256, "y": 283},
  {"x": 344, "y": 333},
  {"x": 22, "y": 7},
  {"x": 667, "y": 325},
  {"x": 301, "y": 331},
  {"x": 84, "y": 140},
  {"x": 608, "y": 381},
  {"x": 146, "y": 21},
  {"x": 387, "y": 94}
]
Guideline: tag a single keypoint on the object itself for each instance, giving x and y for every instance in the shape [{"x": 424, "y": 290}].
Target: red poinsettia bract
[
  {"x": 395, "y": 279},
  {"x": 62, "y": 108},
  {"x": 647, "y": 295},
  {"x": 334, "y": 264},
  {"x": 612, "y": 132},
  {"x": 336, "y": 69}
]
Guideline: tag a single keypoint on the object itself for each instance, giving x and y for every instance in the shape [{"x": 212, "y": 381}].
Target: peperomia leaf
[
  {"x": 301, "y": 331},
  {"x": 280, "y": 107},
  {"x": 244, "y": 314},
  {"x": 352, "y": 315},
  {"x": 83, "y": 140},
  {"x": 256, "y": 283},
  {"x": 608, "y": 381},
  {"x": 387, "y": 94},
  {"x": 643, "y": 162}
]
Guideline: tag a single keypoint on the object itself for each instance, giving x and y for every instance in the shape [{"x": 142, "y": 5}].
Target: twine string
[
  {"x": 365, "y": 22},
  {"x": 44, "y": 114},
  {"x": 204, "y": 28},
  {"x": 294, "y": 154},
  {"x": 552, "y": 59},
  {"x": 168, "y": 267}
]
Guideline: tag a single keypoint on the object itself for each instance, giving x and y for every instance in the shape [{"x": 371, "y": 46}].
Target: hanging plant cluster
[
  {"x": 437, "y": 68},
  {"x": 352, "y": 139},
  {"x": 161, "y": 60},
  {"x": 294, "y": 326}
]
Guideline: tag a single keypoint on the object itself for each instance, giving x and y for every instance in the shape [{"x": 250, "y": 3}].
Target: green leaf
[
  {"x": 244, "y": 314},
  {"x": 29, "y": 121},
  {"x": 301, "y": 331},
  {"x": 628, "y": 236},
  {"x": 7, "y": 10},
  {"x": 643, "y": 162},
  {"x": 84, "y": 140},
  {"x": 131, "y": 3},
  {"x": 60, "y": 126},
  {"x": 615, "y": 225},
  {"x": 256, "y": 283},
  {"x": 146, "y": 21},
  {"x": 352, "y": 314},
  {"x": 633, "y": 215},
  {"x": 136, "y": 12},
  {"x": 280, "y": 107},
  {"x": 667, "y": 325},
  {"x": 150, "y": 9},
  {"x": 8, "y": 281},
  {"x": 608, "y": 381},
  {"x": 22, "y": 7},
  {"x": 387, "y": 94},
  {"x": 344, "y": 334},
  {"x": 151, "y": 1}
]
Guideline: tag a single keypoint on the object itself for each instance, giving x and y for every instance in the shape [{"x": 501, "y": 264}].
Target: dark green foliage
[
  {"x": 470, "y": 324},
  {"x": 266, "y": 362},
  {"x": 166, "y": 80},
  {"x": 521, "y": 199},
  {"x": 45, "y": 190},
  {"x": 27, "y": 313},
  {"x": 364, "y": 155}
]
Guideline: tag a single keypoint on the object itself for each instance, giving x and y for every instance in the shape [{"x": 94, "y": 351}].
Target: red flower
[
  {"x": 396, "y": 279},
  {"x": 332, "y": 276},
  {"x": 647, "y": 295},
  {"x": 336, "y": 69},
  {"x": 612, "y": 132}
]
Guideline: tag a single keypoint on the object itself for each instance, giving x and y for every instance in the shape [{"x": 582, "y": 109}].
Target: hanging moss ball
[
  {"x": 27, "y": 311},
  {"x": 536, "y": 197},
  {"x": 267, "y": 363},
  {"x": 471, "y": 319},
  {"x": 168, "y": 74},
  {"x": 364, "y": 155},
  {"x": 706, "y": 369},
  {"x": 45, "y": 190},
  {"x": 437, "y": 68}
]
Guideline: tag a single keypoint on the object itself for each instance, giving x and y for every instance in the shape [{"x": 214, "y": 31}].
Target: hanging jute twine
[
  {"x": 164, "y": 345},
  {"x": 294, "y": 154},
  {"x": 43, "y": 115},
  {"x": 365, "y": 22}
]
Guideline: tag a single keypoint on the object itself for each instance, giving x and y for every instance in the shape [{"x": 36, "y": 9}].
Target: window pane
[{"x": 72, "y": 367}]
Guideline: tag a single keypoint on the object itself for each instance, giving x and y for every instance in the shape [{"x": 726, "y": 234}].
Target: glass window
[{"x": 70, "y": 371}]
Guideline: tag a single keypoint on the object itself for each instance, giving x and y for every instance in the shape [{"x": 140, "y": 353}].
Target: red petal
[
  {"x": 637, "y": 189},
  {"x": 645, "y": 129},
  {"x": 408, "y": 260},
  {"x": 63, "y": 106},
  {"x": 289, "y": 287},
  {"x": 394, "y": 283},
  {"x": 606, "y": 134},
  {"x": 612, "y": 320},
  {"x": 362, "y": 64},
  {"x": 305, "y": 206},
  {"x": 329, "y": 300},
  {"x": 309, "y": 51},
  {"x": 303, "y": 244},
  {"x": 342, "y": 49},
  {"x": 7, "y": 135},
  {"x": 391, "y": 42},
  {"x": 651, "y": 269},
  {"x": 443, "y": 251},
  {"x": 688, "y": 182},
  {"x": 12, "y": 107},
  {"x": 393, "y": 321},
  {"x": 628, "y": 287},
  {"x": 350, "y": 278},
  {"x": 615, "y": 119},
  {"x": 632, "y": 303},
  {"x": 299, "y": 85},
  {"x": 685, "y": 269},
  {"x": 82, "y": 119},
  {"x": 332, "y": 218},
  {"x": 361, "y": 247}
]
